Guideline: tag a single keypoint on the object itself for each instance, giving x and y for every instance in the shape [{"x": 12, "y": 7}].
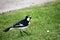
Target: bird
[{"x": 22, "y": 24}]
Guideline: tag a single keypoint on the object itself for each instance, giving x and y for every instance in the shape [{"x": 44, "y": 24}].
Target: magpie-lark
[{"x": 20, "y": 25}]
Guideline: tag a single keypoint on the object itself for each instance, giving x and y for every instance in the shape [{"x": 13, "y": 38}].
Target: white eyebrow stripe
[{"x": 28, "y": 19}]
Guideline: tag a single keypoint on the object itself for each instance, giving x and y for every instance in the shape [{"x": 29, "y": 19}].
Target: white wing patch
[{"x": 20, "y": 25}]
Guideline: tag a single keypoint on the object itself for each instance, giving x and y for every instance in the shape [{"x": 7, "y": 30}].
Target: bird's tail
[{"x": 7, "y": 29}]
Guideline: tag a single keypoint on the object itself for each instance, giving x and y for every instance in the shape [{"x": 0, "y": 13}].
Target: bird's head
[{"x": 28, "y": 17}]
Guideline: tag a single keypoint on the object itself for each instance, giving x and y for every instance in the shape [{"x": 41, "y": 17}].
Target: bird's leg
[
  {"x": 26, "y": 33},
  {"x": 21, "y": 32}
]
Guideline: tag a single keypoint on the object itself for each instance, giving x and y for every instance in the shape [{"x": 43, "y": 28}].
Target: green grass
[{"x": 45, "y": 17}]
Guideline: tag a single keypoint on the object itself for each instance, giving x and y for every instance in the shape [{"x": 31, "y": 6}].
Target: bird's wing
[{"x": 20, "y": 25}]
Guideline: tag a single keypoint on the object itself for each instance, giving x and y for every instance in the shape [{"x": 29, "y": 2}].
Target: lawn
[{"x": 45, "y": 17}]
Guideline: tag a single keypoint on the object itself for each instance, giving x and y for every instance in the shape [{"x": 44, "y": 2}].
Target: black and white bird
[{"x": 20, "y": 25}]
